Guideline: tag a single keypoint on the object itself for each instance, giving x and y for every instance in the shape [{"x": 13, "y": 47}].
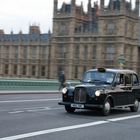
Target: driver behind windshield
[{"x": 95, "y": 76}]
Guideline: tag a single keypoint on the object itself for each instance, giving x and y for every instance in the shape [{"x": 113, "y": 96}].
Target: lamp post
[{"x": 121, "y": 61}]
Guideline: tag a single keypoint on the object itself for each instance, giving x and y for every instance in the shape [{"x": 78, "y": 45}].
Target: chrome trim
[{"x": 80, "y": 95}]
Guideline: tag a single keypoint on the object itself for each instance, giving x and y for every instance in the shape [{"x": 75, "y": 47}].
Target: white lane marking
[
  {"x": 27, "y": 135},
  {"x": 16, "y": 112},
  {"x": 48, "y": 131},
  {"x": 30, "y": 108},
  {"x": 23, "y": 109},
  {"x": 42, "y": 109},
  {"x": 34, "y": 110},
  {"x": 124, "y": 118},
  {"x": 36, "y": 100}
]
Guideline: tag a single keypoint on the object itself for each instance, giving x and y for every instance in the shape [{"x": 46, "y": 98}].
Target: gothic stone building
[
  {"x": 24, "y": 55},
  {"x": 104, "y": 36}
]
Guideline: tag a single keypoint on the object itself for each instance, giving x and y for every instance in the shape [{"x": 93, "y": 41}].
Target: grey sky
[{"x": 16, "y": 15}]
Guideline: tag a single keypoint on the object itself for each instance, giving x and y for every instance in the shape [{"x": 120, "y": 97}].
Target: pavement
[{"x": 4, "y": 92}]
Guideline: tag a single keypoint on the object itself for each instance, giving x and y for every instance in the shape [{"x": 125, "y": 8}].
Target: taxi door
[
  {"x": 133, "y": 89},
  {"x": 121, "y": 91}
]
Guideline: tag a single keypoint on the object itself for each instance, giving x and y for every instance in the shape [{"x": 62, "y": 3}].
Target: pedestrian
[{"x": 62, "y": 80}]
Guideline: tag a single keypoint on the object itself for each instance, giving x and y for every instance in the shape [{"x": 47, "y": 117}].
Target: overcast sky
[{"x": 16, "y": 15}]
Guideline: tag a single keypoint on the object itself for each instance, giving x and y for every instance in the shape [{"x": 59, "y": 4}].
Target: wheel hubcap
[
  {"x": 136, "y": 103},
  {"x": 107, "y": 107}
]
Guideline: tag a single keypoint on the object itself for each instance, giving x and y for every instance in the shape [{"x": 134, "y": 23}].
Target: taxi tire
[
  {"x": 106, "y": 108},
  {"x": 135, "y": 107},
  {"x": 69, "y": 109}
]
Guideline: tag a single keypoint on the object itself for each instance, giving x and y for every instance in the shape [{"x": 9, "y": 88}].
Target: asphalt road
[{"x": 39, "y": 117}]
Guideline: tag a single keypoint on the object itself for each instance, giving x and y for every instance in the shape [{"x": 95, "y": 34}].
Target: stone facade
[
  {"x": 25, "y": 55},
  {"x": 103, "y": 36}
]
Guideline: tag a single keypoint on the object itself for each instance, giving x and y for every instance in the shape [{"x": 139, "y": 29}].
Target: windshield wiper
[
  {"x": 88, "y": 81},
  {"x": 96, "y": 80},
  {"x": 105, "y": 82},
  {"x": 93, "y": 81},
  {"x": 99, "y": 81}
]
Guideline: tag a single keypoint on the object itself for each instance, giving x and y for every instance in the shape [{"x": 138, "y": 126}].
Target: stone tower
[
  {"x": 137, "y": 7},
  {"x": 55, "y": 7},
  {"x": 64, "y": 22},
  {"x": 119, "y": 25},
  {"x": 104, "y": 36}
]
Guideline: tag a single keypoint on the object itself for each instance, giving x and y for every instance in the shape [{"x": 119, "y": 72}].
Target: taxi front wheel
[
  {"x": 135, "y": 107},
  {"x": 106, "y": 108}
]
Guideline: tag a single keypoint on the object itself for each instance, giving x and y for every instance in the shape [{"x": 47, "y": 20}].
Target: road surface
[{"x": 39, "y": 117}]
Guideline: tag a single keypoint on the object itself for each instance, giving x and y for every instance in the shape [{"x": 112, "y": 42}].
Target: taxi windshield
[{"x": 98, "y": 77}]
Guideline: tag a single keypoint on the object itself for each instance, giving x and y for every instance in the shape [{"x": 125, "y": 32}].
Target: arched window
[
  {"x": 94, "y": 52},
  {"x": 86, "y": 52},
  {"x": 77, "y": 52},
  {"x": 110, "y": 52}
]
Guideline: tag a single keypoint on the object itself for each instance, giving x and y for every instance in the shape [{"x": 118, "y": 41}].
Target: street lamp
[{"x": 121, "y": 61}]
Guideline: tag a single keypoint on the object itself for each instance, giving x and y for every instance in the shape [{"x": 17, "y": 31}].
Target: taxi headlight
[
  {"x": 98, "y": 93},
  {"x": 64, "y": 90}
]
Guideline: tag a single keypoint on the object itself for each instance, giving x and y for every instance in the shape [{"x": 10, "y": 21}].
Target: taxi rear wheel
[
  {"x": 135, "y": 107},
  {"x": 69, "y": 109},
  {"x": 106, "y": 108}
]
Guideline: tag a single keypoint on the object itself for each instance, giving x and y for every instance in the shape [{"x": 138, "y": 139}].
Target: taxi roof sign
[{"x": 101, "y": 69}]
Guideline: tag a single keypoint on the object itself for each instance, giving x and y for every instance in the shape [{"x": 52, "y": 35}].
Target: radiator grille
[{"x": 80, "y": 95}]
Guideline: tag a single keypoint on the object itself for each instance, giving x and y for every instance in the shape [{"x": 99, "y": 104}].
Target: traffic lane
[
  {"x": 34, "y": 119},
  {"x": 17, "y": 113},
  {"x": 32, "y": 102},
  {"x": 27, "y": 122},
  {"x": 120, "y": 130},
  {"x": 23, "y": 101},
  {"x": 18, "y": 92},
  {"x": 35, "y": 105},
  {"x": 26, "y": 118},
  {"x": 87, "y": 130},
  {"x": 29, "y": 96}
]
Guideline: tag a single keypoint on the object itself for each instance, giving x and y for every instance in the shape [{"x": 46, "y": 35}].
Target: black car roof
[{"x": 125, "y": 71}]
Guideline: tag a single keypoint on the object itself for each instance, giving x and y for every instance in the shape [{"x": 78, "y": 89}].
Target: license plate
[{"x": 77, "y": 105}]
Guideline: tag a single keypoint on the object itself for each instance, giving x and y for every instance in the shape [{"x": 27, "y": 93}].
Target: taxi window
[
  {"x": 124, "y": 79},
  {"x": 135, "y": 80},
  {"x": 128, "y": 79},
  {"x": 120, "y": 79}
]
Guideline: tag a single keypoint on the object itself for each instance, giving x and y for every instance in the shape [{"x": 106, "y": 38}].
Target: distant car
[{"x": 105, "y": 89}]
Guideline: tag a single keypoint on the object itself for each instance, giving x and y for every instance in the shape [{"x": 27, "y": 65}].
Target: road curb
[{"x": 30, "y": 92}]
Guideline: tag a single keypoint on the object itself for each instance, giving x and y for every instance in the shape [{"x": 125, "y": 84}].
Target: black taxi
[{"x": 105, "y": 89}]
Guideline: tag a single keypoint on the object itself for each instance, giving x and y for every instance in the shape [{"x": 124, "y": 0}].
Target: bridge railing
[{"x": 30, "y": 84}]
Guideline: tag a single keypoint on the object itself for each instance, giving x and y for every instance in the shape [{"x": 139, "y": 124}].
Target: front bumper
[{"x": 80, "y": 105}]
